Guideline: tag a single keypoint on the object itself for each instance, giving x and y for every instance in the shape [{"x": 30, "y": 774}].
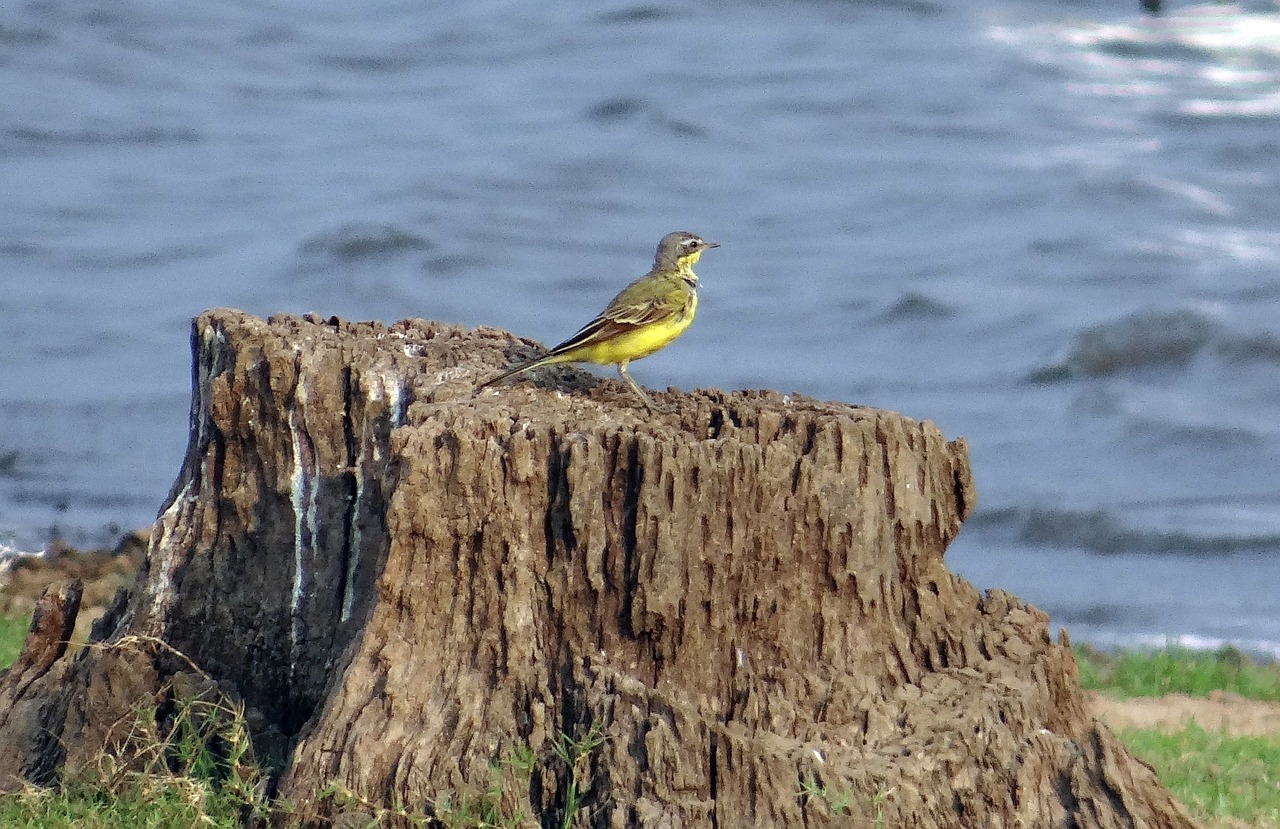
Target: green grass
[
  {"x": 13, "y": 630},
  {"x": 1225, "y": 781},
  {"x": 1222, "y": 780},
  {"x": 186, "y": 763},
  {"x": 1174, "y": 670},
  {"x": 155, "y": 807},
  {"x": 840, "y": 801},
  {"x": 503, "y": 802}
]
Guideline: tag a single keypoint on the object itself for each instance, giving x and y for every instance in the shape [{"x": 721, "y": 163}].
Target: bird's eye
[{"x": 691, "y": 242}]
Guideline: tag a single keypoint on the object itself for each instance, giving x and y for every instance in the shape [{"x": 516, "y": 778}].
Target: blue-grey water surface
[{"x": 1052, "y": 228}]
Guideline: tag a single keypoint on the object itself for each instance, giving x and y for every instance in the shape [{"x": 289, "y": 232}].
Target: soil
[
  {"x": 1220, "y": 711},
  {"x": 104, "y": 571}
]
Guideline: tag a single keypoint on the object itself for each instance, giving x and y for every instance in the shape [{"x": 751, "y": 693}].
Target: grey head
[{"x": 679, "y": 250}]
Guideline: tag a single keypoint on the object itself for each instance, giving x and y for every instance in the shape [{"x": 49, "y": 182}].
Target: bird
[{"x": 644, "y": 317}]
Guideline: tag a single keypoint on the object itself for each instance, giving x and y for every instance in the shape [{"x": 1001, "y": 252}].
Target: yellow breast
[{"x": 644, "y": 340}]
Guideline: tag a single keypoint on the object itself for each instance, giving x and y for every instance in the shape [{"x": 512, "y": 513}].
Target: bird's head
[{"x": 680, "y": 250}]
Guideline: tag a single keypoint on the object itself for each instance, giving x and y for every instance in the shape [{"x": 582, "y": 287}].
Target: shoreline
[
  {"x": 24, "y": 577},
  {"x": 25, "y": 574}
]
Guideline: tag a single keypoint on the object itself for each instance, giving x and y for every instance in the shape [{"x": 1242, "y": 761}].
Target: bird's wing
[
  {"x": 622, "y": 316},
  {"x": 598, "y": 330},
  {"x": 651, "y": 310}
]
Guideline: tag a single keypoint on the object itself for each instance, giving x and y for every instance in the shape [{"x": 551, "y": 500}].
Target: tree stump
[{"x": 551, "y": 603}]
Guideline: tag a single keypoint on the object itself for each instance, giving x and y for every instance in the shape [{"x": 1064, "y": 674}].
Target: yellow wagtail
[{"x": 644, "y": 317}]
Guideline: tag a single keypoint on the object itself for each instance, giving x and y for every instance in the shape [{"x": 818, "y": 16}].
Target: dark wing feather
[{"x": 615, "y": 321}]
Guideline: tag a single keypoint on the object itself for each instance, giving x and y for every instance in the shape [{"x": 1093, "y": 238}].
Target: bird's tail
[{"x": 519, "y": 369}]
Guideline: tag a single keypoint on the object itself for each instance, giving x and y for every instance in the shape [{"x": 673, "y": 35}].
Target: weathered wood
[
  {"x": 745, "y": 595},
  {"x": 26, "y": 749}
]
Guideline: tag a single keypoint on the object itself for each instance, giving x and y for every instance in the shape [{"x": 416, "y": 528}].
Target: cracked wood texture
[{"x": 744, "y": 595}]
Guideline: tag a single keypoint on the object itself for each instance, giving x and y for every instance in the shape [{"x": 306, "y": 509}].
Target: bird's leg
[{"x": 622, "y": 372}]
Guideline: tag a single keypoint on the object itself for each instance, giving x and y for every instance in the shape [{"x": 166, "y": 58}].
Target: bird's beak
[{"x": 709, "y": 245}]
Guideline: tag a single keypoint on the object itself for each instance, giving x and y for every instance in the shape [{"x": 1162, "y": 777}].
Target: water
[{"x": 1050, "y": 228}]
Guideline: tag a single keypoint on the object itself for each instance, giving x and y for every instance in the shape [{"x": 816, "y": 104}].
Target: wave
[
  {"x": 1204, "y": 61},
  {"x": 1156, "y": 338},
  {"x": 1248, "y": 349},
  {"x": 27, "y": 137},
  {"x": 360, "y": 240},
  {"x": 1147, "y": 337},
  {"x": 917, "y": 306},
  {"x": 1210, "y": 527}
]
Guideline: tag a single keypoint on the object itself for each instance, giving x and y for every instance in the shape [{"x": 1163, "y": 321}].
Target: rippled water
[{"x": 1050, "y": 228}]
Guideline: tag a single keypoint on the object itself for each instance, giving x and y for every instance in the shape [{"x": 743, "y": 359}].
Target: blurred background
[{"x": 1050, "y": 227}]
